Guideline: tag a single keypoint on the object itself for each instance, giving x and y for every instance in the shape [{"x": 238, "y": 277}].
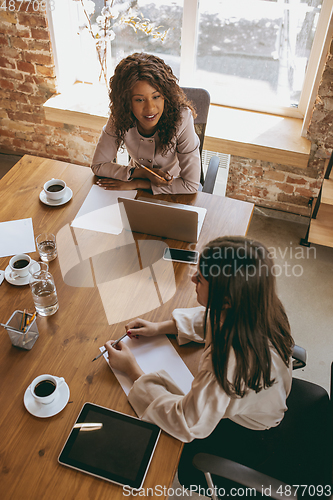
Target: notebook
[{"x": 161, "y": 218}]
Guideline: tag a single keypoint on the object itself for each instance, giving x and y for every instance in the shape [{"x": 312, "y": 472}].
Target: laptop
[{"x": 161, "y": 218}]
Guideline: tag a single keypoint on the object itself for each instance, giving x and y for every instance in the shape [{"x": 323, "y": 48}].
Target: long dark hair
[
  {"x": 158, "y": 74},
  {"x": 245, "y": 313}
]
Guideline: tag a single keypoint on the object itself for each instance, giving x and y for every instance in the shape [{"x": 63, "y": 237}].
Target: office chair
[
  {"x": 296, "y": 452},
  {"x": 201, "y": 101}
]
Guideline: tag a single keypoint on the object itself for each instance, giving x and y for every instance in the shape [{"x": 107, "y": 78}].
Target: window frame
[{"x": 67, "y": 43}]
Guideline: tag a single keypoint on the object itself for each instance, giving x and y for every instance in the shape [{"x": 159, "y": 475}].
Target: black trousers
[
  {"x": 298, "y": 451},
  {"x": 256, "y": 449}
]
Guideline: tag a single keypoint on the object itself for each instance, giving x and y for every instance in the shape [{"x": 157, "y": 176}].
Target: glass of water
[
  {"x": 44, "y": 293},
  {"x": 36, "y": 266},
  {"x": 46, "y": 246}
]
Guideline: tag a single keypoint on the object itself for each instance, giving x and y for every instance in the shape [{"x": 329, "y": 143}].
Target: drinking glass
[
  {"x": 38, "y": 266},
  {"x": 46, "y": 245},
  {"x": 44, "y": 293}
]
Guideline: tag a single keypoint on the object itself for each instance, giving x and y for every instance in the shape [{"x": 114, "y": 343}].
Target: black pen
[{"x": 112, "y": 345}]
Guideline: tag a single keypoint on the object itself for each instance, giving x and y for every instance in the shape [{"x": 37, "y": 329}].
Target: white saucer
[
  {"x": 56, "y": 203},
  {"x": 44, "y": 411},
  {"x": 17, "y": 281}
]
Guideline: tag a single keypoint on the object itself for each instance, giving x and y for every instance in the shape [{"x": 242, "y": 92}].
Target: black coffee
[
  {"x": 44, "y": 388},
  {"x": 55, "y": 187},
  {"x": 20, "y": 264}
]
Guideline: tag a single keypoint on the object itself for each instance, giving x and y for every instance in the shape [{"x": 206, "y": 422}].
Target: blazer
[
  {"x": 183, "y": 163},
  {"x": 156, "y": 397}
]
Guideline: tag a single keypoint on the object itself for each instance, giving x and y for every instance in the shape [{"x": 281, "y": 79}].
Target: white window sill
[{"x": 232, "y": 131}]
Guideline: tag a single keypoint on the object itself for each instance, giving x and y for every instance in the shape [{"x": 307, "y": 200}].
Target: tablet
[{"x": 110, "y": 445}]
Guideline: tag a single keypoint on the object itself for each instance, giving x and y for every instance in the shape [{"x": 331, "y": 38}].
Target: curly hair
[{"x": 158, "y": 74}]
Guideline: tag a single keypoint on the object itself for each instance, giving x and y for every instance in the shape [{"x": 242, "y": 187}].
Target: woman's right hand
[
  {"x": 142, "y": 327},
  {"x": 145, "y": 173},
  {"x": 166, "y": 178},
  {"x": 121, "y": 358}
]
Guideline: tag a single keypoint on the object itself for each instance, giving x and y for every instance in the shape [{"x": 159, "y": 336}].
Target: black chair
[
  {"x": 201, "y": 100},
  {"x": 296, "y": 452}
]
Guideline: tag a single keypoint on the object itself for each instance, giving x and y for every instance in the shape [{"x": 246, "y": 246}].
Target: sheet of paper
[
  {"x": 154, "y": 354},
  {"x": 100, "y": 211},
  {"x": 16, "y": 236}
]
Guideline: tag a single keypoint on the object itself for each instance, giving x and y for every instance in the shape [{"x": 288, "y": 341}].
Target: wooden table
[{"x": 69, "y": 340}]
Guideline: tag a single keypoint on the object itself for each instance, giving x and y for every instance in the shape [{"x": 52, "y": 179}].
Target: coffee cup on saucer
[
  {"x": 19, "y": 265},
  {"x": 45, "y": 388},
  {"x": 55, "y": 189}
]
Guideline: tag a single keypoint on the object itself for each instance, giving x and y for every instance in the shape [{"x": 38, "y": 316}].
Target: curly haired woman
[{"x": 152, "y": 117}]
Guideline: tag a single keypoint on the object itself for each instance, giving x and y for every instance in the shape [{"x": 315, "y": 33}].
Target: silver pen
[{"x": 112, "y": 345}]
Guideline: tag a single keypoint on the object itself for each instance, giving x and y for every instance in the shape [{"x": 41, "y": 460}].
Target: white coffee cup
[
  {"x": 45, "y": 388},
  {"x": 55, "y": 189},
  {"x": 19, "y": 265}
]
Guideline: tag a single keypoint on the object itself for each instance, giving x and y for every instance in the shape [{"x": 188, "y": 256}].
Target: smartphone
[{"x": 179, "y": 255}]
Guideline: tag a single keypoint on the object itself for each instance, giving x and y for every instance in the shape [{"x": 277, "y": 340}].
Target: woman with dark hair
[
  {"x": 244, "y": 374},
  {"x": 151, "y": 116}
]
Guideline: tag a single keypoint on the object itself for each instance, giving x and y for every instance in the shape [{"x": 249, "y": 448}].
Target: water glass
[
  {"x": 46, "y": 246},
  {"x": 44, "y": 293},
  {"x": 38, "y": 266}
]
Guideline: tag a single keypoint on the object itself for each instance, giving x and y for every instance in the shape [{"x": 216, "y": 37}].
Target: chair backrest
[
  {"x": 201, "y": 101},
  {"x": 307, "y": 429}
]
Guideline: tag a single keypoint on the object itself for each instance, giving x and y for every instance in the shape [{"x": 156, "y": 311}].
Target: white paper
[
  {"x": 16, "y": 236},
  {"x": 154, "y": 354},
  {"x": 100, "y": 211}
]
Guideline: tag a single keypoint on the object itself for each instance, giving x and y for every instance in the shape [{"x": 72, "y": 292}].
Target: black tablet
[{"x": 110, "y": 445}]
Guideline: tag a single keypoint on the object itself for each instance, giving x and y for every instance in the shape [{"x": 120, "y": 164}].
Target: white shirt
[{"x": 155, "y": 396}]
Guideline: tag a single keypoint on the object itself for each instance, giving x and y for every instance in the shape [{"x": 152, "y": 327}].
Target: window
[
  {"x": 252, "y": 54},
  {"x": 255, "y": 52}
]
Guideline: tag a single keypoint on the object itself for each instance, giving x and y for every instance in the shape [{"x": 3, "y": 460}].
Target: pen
[
  {"x": 11, "y": 328},
  {"x": 23, "y": 320},
  {"x": 30, "y": 320},
  {"x": 152, "y": 172},
  {"x": 112, "y": 345}
]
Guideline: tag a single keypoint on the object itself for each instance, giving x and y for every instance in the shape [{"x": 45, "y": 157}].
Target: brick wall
[
  {"x": 273, "y": 185},
  {"x": 27, "y": 80},
  {"x": 280, "y": 186},
  {"x": 320, "y": 131}
]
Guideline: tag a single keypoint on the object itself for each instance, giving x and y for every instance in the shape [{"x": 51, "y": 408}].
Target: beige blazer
[
  {"x": 183, "y": 163},
  {"x": 155, "y": 396}
]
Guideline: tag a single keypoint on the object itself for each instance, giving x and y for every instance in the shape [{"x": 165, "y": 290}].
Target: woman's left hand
[
  {"x": 115, "y": 184},
  {"x": 121, "y": 358}
]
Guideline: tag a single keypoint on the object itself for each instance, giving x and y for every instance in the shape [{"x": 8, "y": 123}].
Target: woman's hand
[
  {"x": 146, "y": 328},
  {"x": 115, "y": 184},
  {"x": 166, "y": 178},
  {"x": 121, "y": 358},
  {"x": 142, "y": 327},
  {"x": 145, "y": 173}
]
